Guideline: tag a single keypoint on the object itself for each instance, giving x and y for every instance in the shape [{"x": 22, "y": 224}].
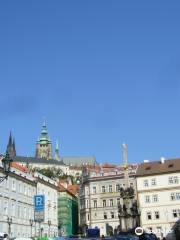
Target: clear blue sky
[{"x": 100, "y": 72}]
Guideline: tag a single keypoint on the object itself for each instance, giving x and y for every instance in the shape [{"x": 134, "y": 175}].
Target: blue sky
[{"x": 100, "y": 72}]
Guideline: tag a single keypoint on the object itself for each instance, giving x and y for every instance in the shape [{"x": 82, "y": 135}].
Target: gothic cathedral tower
[
  {"x": 44, "y": 145},
  {"x": 11, "y": 149}
]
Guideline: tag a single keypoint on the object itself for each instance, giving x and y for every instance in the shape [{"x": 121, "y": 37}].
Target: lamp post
[
  {"x": 6, "y": 163},
  {"x": 41, "y": 231},
  {"x": 31, "y": 224},
  {"x": 49, "y": 223},
  {"x": 9, "y": 222}
]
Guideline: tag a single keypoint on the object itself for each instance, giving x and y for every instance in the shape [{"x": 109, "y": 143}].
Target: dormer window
[{"x": 170, "y": 165}]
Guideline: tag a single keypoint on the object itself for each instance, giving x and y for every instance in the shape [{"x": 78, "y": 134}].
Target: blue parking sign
[{"x": 39, "y": 202}]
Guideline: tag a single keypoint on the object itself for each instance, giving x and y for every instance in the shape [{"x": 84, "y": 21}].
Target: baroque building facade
[
  {"x": 48, "y": 188},
  {"x": 100, "y": 197},
  {"x": 158, "y": 188},
  {"x": 17, "y": 193},
  {"x": 16, "y": 203}
]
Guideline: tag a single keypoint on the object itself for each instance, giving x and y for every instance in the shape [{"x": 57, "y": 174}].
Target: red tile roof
[
  {"x": 158, "y": 167},
  {"x": 19, "y": 167},
  {"x": 73, "y": 188}
]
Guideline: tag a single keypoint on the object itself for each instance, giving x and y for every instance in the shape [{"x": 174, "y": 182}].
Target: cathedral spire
[
  {"x": 14, "y": 146},
  {"x": 11, "y": 147},
  {"x": 10, "y": 140},
  {"x": 57, "y": 151}
]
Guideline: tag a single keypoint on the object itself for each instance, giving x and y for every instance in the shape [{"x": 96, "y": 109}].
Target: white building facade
[
  {"x": 48, "y": 188},
  {"x": 100, "y": 196},
  {"x": 158, "y": 188},
  {"x": 16, "y": 204}
]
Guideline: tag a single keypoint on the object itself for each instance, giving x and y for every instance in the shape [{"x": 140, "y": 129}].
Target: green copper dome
[{"x": 44, "y": 138}]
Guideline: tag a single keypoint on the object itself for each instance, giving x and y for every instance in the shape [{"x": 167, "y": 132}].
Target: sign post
[{"x": 39, "y": 206}]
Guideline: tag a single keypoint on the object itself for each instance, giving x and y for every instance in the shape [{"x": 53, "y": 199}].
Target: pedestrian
[
  {"x": 5, "y": 236},
  {"x": 102, "y": 237}
]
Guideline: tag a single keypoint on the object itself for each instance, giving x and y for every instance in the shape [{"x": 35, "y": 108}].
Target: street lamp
[
  {"x": 41, "y": 231},
  {"x": 6, "y": 163},
  {"x": 31, "y": 224},
  {"x": 9, "y": 222},
  {"x": 49, "y": 223}
]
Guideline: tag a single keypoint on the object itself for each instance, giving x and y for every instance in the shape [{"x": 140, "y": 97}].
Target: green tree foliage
[{"x": 51, "y": 172}]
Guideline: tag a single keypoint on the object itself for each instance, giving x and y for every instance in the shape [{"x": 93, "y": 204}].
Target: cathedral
[{"x": 44, "y": 155}]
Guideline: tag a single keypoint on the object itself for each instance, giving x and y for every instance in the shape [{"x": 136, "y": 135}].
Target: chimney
[
  {"x": 162, "y": 160},
  {"x": 146, "y": 161}
]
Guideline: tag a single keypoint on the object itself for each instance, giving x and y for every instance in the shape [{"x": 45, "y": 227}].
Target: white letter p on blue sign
[{"x": 39, "y": 202}]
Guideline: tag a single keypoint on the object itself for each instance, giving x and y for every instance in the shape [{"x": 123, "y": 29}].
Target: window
[
  {"x": 111, "y": 202},
  {"x": 159, "y": 230},
  {"x": 19, "y": 212},
  {"x": 149, "y": 217},
  {"x": 118, "y": 201},
  {"x": 24, "y": 212},
  {"x": 178, "y": 196},
  {"x": 87, "y": 203},
  {"x": 29, "y": 191},
  {"x": 95, "y": 203},
  {"x": 176, "y": 179},
  {"x": 175, "y": 196},
  {"x": 94, "y": 190},
  {"x": 110, "y": 188},
  {"x": 112, "y": 215},
  {"x": 105, "y": 215},
  {"x": 176, "y": 213},
  {"x": 171, "y": 180},
  {"x": 117, "y": 187},
  {"x": 104, "y": 203},
  {"x": 172, "y": 196},
  {"x": 5, "y": 208},
  {"x": 13, "y": 185},
  {"x": 103, "y": 189},
  {"x": 13, "y": 210},
  {"x": 156, "y": 213},
  {"x": 88, "y": 217},
  {"x": 170, "y": 165},
  {"x": 147, "y": 199},
  {"x": 28, "y": 213},
  {"x": 153, "y": 182},
  {"x": 146, "y": 184},
  {"x": 155, "y": 198}
]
